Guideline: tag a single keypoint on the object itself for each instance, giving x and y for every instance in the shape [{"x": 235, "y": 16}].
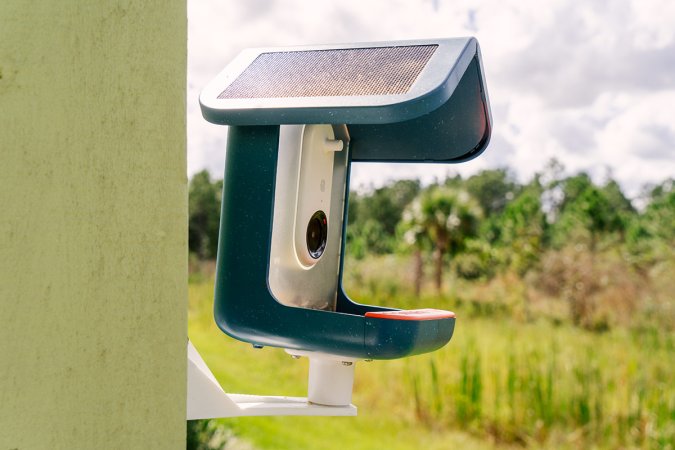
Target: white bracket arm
[{"x": 207, "y": 400}]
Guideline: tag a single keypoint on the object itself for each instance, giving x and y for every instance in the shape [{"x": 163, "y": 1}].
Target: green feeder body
[{"x": 410, "y": 101}]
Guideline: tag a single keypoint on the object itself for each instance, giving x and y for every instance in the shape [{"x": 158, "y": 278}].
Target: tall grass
[
  {"x": 591, "y": 390},
  {"x": 511, "y": 377},
  {"x": 533, "y": 378}
]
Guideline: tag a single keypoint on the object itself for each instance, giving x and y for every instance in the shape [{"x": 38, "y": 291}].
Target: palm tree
[
  {"x": 444, "y": 216},
  {"x": 414, "y": 235}
]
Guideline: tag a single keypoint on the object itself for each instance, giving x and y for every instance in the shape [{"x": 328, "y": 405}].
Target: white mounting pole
[
  {"x": 207, "y": 400},
  {"x": 331, "y": 378}
]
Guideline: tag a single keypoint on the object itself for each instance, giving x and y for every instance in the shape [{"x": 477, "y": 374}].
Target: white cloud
[{"x": 591, "y": 84}]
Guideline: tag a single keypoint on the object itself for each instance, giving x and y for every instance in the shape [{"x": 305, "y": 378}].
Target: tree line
[{"x": 484, "y": 223}]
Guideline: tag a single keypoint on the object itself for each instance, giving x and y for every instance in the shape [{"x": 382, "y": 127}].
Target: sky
[{"x": 591, "y": 83}]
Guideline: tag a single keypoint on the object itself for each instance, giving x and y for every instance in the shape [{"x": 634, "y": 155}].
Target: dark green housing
[{"x": 443, "y": 117}]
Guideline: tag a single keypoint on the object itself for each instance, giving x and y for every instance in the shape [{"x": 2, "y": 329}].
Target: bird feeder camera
[{"x": 298, "y": 118}]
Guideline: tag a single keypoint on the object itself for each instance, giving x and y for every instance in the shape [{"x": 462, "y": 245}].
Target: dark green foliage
[
  {"x": 573, "y": 187},
  {"x": 582, "y": 212},
  {"x": 373, "y": 218},
  {"x": 206, "y": 435},
  {"x": 587, "y": 216},
  {"x": 478, "y": 260},
  {"x": 490, "y": 224},
  {"x": 493, "y": 189},
  {"x": 448, "y": 216},
  {"x": 384, "y": 205},
  {"x": 522, "y": 228},
  {"x": 651, "y": 235},
  {"x": 617, "y": 199},
  {"x": 369, "y": 237},
  {"x": 445, "y": 218},
  {"x": 204, "y": 215},
  {"x": 518, "y": 223}
]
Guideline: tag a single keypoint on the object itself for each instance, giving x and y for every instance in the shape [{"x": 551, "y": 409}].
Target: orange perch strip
[{"x": 412, "y": 314}]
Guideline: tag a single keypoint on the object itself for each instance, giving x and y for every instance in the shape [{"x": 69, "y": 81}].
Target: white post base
[
  {"x": 331, "y": 378},
  {"x": 207, "y": 400}
]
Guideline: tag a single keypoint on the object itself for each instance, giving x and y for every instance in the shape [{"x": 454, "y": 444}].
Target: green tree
[
  {"x": 660, "y": 212},
  {"x": 204, "y": 214},
  {"x": 493, "y": 189},
  {"x": 591, "y": 213},
  {"x": 573, "y": 187},
  {"x": 560, "y": 192},
  {"x": 522, "y": 228},
  {"x": 651, "y": 235},
  {"x": 445, "y": 216},
  {"x": 622, "y": 206},
  {"x": 373, "y": 218},
  {"x": 414, "y": 235},
  {"x": 586, "y": 211},
  {"x": 617, "y": 199}
]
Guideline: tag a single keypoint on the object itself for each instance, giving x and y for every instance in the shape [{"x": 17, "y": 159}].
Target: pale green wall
[{"x": 93, "y": 289}]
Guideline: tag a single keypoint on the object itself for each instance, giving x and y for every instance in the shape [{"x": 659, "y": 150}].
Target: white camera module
[{"x": 308, "y": 212}]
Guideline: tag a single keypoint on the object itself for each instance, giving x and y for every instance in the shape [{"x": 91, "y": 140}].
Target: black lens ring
[{"x": 317, "y": 234}]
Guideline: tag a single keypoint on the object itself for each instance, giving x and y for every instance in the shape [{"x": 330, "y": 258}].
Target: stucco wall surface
[{"x": 93, "y": 217}]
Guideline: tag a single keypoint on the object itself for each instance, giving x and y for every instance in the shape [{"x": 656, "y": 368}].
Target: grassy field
[
  {"x": 384, "y": 421},
  {"x": 510, "y": 378}
]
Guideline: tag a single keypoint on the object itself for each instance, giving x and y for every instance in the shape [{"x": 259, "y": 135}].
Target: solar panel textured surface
[{"x": 330, "y": 73}]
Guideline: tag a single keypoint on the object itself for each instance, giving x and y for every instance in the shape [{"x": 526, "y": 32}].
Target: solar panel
[{"x": 329, "y": 73}]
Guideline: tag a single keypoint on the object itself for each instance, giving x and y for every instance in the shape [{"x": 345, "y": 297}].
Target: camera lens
[{"x": 317, "y": 233}]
